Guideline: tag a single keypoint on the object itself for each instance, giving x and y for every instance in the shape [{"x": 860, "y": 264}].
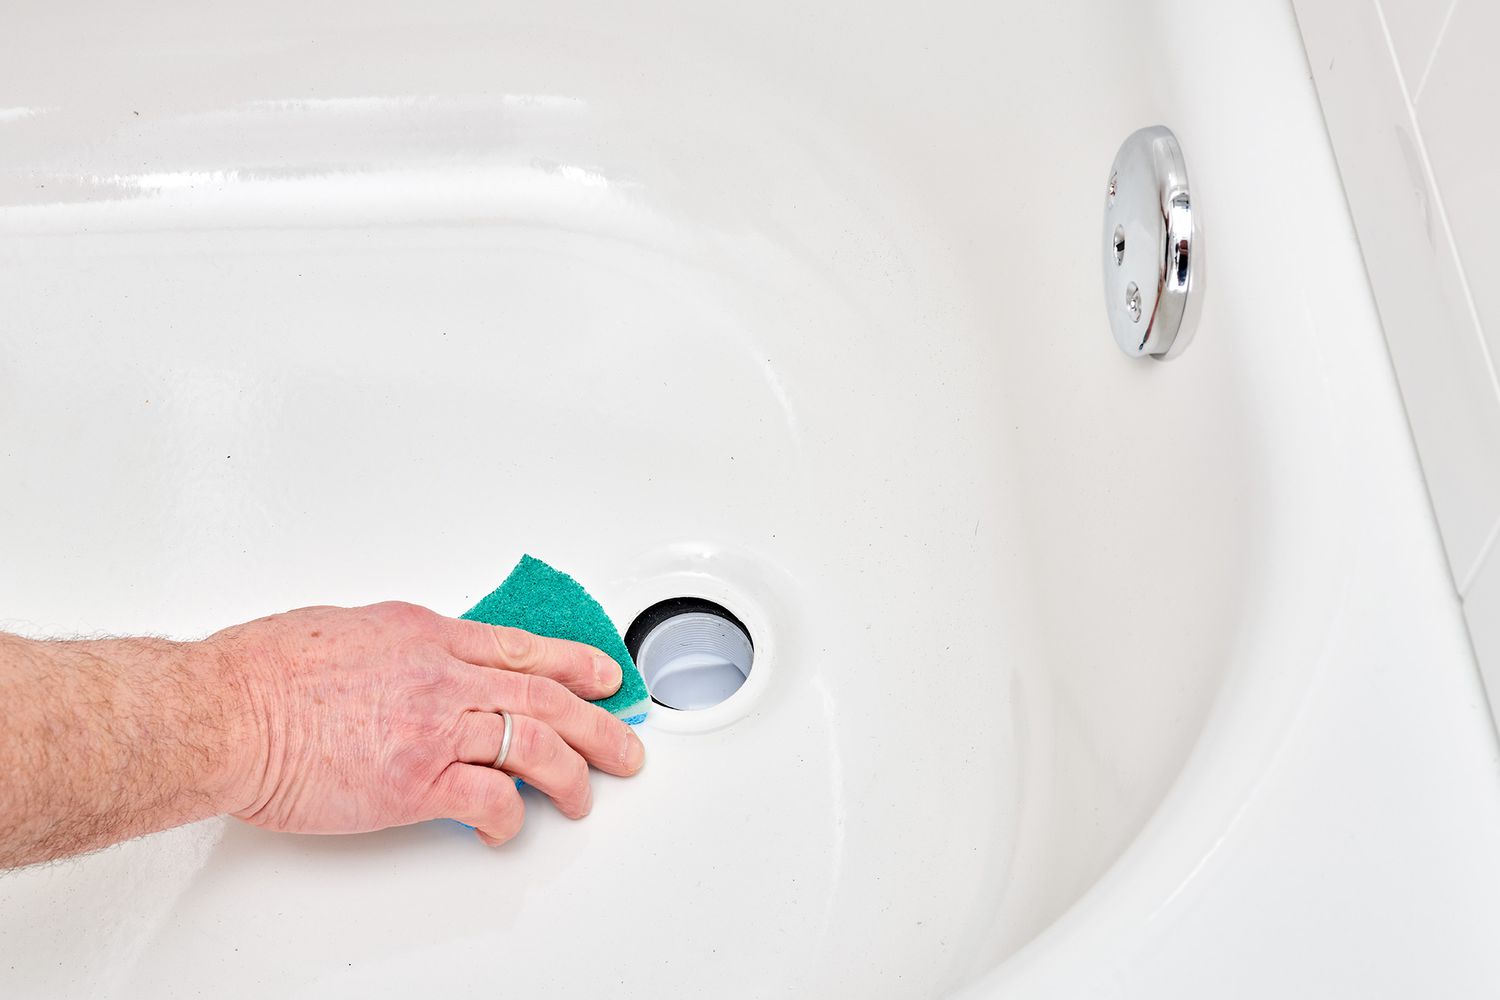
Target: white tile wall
[
  {"x": 1414, "y": 27},
  {"x": 1411, "y": 96},
  {"x": 1460, "y": 122}
]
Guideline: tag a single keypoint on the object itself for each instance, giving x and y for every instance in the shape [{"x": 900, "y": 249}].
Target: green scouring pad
[{"x": 540, "y": 599}]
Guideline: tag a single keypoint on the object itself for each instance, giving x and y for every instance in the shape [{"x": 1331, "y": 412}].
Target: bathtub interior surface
[{"x": 335, "y": 306}]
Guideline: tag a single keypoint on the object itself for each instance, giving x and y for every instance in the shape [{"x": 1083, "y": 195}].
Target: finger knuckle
[
  {"x": 577, "y": 786},
  {"x": 609, "y": 733},
  {"x": 460, "y": 793},
  {"x": 425, "y": 709},
  {"x": 425, "y": 679},
  {"x": 546, "y": 697},
  {"x": 404, "y": 614},
  {"x": 537, "y": 746},
  {"x": 507, "y": 819},
  {"x": 416, "y": 764},
  {"x": 518, "y": 647}
]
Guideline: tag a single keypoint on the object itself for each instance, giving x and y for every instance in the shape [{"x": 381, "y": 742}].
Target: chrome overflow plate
[{"x": 1152, "y": 257}]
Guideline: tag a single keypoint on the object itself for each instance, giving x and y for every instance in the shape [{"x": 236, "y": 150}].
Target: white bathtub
[{"x": 1076, "y": 675}]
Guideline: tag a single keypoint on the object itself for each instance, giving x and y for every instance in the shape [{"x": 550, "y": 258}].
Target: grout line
[
  {"x": 1480, "y": 560},
  {"x": 1476, "y": 330},
  {"x": 1416, "y": 95}
]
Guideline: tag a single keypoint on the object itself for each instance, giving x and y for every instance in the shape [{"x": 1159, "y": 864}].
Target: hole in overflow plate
[{"x": 692, "y": 653}]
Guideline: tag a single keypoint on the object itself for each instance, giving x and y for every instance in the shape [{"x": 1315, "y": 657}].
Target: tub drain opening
[{"x": 692, "y": 653}]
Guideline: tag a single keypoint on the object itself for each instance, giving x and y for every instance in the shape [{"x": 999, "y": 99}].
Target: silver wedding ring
[{"x": 504, "y": 740}]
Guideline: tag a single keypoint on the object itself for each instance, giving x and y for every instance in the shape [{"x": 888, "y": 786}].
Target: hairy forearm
[
  {"x": 320, "y": 720},
  {"x": 110, "y": 739}
]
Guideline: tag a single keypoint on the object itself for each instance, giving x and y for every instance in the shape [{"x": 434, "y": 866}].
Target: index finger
[{"x": 582, "y": 669}]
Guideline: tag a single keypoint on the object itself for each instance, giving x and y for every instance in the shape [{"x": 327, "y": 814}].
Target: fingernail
[
  {"x": 635, "y": 751},
  {"x": 607, "y": 672}
]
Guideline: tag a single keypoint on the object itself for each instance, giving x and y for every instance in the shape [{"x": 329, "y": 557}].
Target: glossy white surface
[
  {"x": 796, "y": 310},
  {"x": 1465, "y": 149},
  {"x": 1417, "y": 156},
  {"x": 1416, "y": 269},
  {"x": 1482, "y": 612}
]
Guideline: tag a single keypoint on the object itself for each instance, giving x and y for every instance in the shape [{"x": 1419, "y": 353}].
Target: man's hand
[
  {"x": 380, "y": 716},
  {"x": 324, "y": 720}
]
